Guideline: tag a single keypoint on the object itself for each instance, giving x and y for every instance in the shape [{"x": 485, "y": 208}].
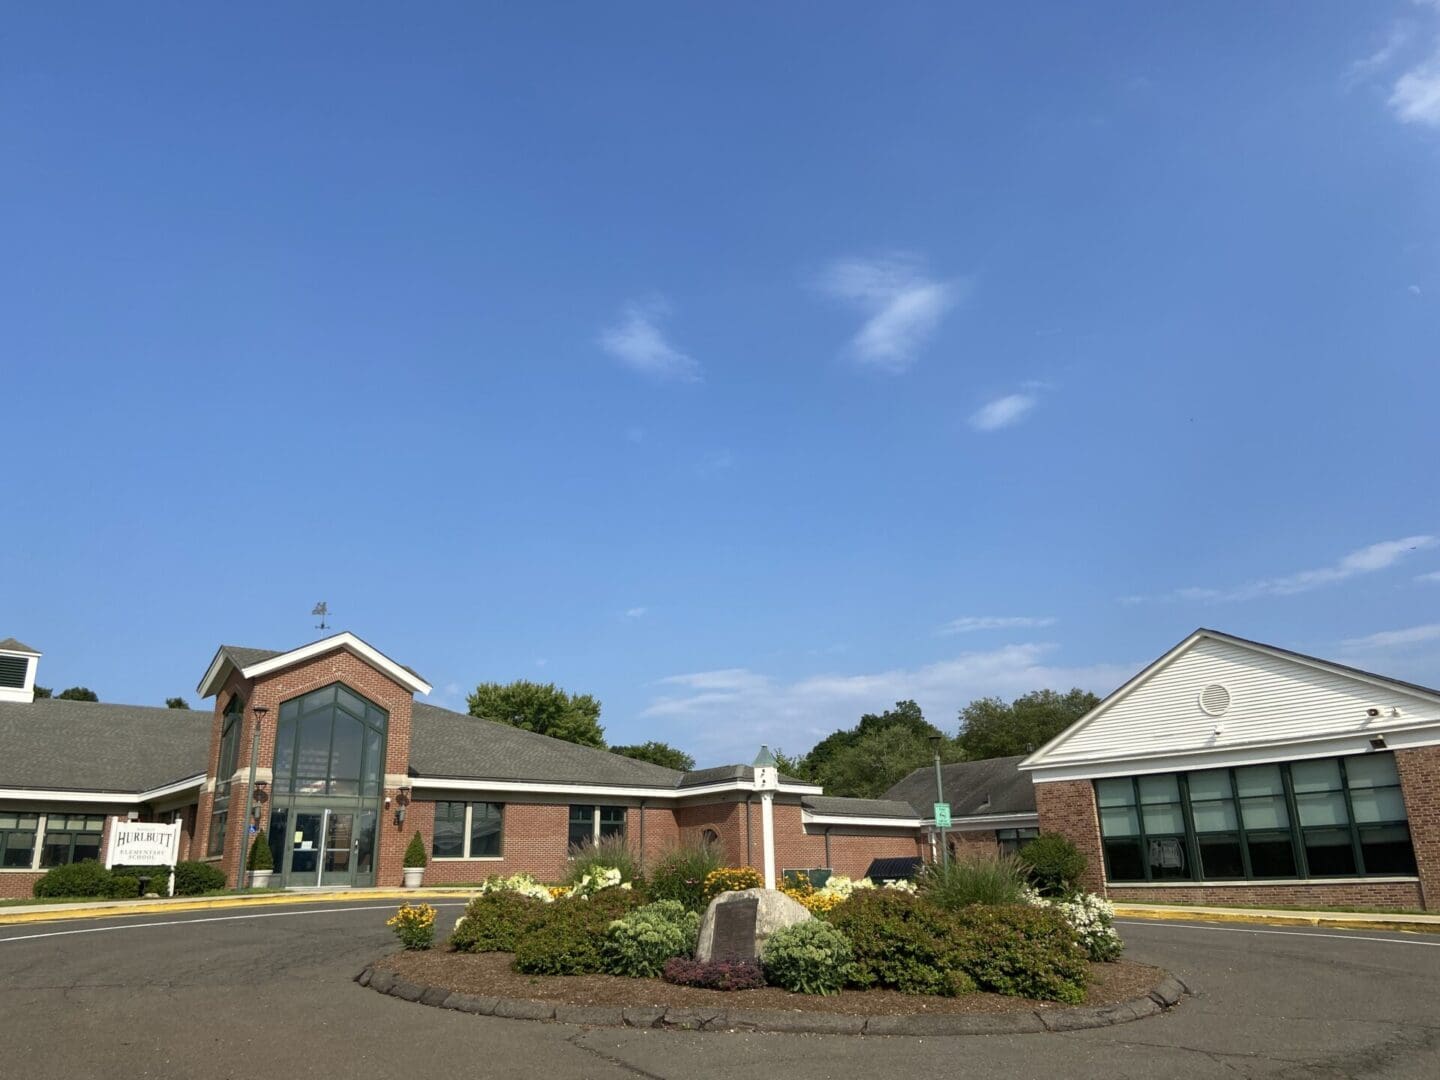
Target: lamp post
[
  {"x": 939, "y": 798},
  {"x": 259, "y": 712}
]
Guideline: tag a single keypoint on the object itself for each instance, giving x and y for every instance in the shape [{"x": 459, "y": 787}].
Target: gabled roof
[
  {"x": 57, "y": 745},
  {"x": 1282, "y": 697},
  {"x": 839, "y": 806},
  {"x": 9, "y": 644},
  {"x": 972, "y": 788},
  {"x": 255, "y": 662}
]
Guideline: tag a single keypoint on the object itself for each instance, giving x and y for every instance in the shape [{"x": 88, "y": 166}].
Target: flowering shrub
[
  {"x": 837, "y": 890},
  {"x": 714, "y": 974},
  {"x": 602, "y": 878},
  {"x": 523, "y": 884},
  {"x": 731, "y": 879},
  {"x": 495, "y": 920},
  {"x": 811, "y": 957},
  {"x": 638, "y": 944},
  {"x": 1091, "y": 917},
  {"x": 414, "y": 926}
]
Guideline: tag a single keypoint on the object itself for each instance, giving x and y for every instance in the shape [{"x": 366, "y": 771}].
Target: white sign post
[{"x": 144, "y": 843}]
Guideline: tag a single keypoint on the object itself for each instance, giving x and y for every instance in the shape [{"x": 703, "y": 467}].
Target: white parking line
[
  {"x": 215, "y": 918},
  {"x": 1283, "y": 933}
]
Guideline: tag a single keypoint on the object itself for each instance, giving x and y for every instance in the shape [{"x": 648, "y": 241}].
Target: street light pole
[
  {"x": 940, "y": 798},
  {"x": 259, "y": 712}
]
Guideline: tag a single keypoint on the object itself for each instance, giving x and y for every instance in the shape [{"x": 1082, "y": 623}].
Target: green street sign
[{"x": 942, "y": 815}]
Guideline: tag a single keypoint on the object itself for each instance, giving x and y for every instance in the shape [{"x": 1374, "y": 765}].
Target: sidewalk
[
  {"x": 109, "y": 909},
  {"x": 1345, "y": 920}
]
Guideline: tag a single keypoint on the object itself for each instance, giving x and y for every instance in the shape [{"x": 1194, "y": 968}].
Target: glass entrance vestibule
[{"x": 328, "y": 776}]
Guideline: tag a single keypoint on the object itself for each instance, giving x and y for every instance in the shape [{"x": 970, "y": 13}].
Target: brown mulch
[{"x": 489, "y": 975}]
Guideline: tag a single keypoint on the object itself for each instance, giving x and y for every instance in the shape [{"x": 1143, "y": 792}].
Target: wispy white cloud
[
  {"x": 1367, "y": 560},
  {"x": 1391, "y": 639},
  {"x": 1397, "y": 37},
  {"x": 968, "y": 624},
  {"x": 1432, "y": 578},
  {"x": 1415, "y": 98},
  {"x": 727, "y": 714},
  {"x": 902, "y": 303},
  {"x": 635, "y": 612},
  {"x": 1003, "y": 412},
  {"x": 637, "y": 341}
]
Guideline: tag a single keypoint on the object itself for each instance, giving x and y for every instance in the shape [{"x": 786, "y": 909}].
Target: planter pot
[
  {"x": 414, "y": 875},
  {"x": 260, "y": 879}
]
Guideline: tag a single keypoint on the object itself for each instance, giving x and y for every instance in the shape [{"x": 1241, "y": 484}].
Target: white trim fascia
[
  {"x": 978, "y": 822},
  {"x": 800, "y": 789},
  {"x": 807, "y": 818},
  {"x": 176, "y": 788},
  {"x": 122, "y": 798},
  {"x": 344, "y": 640},
  {"x": 1036, "y": 760},
  {"x": 1221, "y": 757},
  {"x": 439, "y": 783}
]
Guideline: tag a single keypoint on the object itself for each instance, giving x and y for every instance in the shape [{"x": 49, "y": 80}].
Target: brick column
[
  {"x": 1419, "y": 771},
  {"x": 1067, "y": 807}
]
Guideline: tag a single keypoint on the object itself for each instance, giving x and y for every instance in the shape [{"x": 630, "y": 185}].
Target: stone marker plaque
[{"x": 735, "y": 930}]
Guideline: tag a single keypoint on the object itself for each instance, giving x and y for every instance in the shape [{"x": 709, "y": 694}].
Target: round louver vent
[{"x": 1214, "y": 699}]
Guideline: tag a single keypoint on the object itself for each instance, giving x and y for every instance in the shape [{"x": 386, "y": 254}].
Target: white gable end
[{"x": 1216, "y": 697}]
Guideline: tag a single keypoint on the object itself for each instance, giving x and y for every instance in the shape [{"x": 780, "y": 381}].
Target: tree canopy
[
  {"x": 657, "y": 753},
  {"x": 543, "y": 708},
  {"x": 44, "y": 692},
  {"x": 78, "y": 693},
  {"x": 866, "y": 760},
  {"x": 176, "y": 703},
  {"x": 990, "y": 728}
]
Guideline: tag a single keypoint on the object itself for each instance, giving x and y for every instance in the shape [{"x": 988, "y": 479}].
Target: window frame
[
  {"x": 1296, "y": 832},
  {"x": 35, "y": 835},
  {"x": 467, "y": 824},
  {"x": 42, "y": 838},
  {"x": 598, "y": 830},
  {"x": 370, "y": 781}
]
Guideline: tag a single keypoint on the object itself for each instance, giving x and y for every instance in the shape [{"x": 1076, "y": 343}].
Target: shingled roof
[
  {"x": 874, "y": 808},
  {"x": 88, "y": 746},
  {"x": 972, "y": 788}
]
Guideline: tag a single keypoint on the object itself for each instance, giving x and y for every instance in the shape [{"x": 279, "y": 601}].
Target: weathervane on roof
[{"x": 322, "y": 610}]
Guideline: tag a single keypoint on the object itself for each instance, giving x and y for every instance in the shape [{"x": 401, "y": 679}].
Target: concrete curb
[
  {"x": 112, "y": 909},
  {"x": 1334, "y": 920},
  {"x": 1164, "y": 996}
]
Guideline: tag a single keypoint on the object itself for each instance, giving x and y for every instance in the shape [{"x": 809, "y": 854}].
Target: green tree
[
  {"x": 541, "y": 708},
  {"x": 990, "y": 728},
  {"x": 876, "y": 760},
  {"x": 78, "y": 693},
  {"x": 44, "y": 692},
  {"x": 790, "y": 766},
  {"x": 178, "y": 703},
  {"x": 657, "y": 753},
  {"x": 906, "y": 715}
]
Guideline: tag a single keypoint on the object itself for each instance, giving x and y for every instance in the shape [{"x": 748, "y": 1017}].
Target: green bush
[
  {"x": 1054, "y": 865},
  {"x": 415, "y": 856},
  {"x": 159, "y": 876},
  {"x": 495, "y": 921},
  {"x": 901, "y": 943},
  {"x": 198, "y": 878},
  {"x": 569, "y": 939},
  {"x": 86, "y": 878},
  {"x": 973, "y": 879},
  {"x": 811, "y": 957},
  {"x": 611, "y": 853},
  {"x": 122, "y": 887},
  {"x": 638, "y": 944},
  {"x": 680, "y": 875},
  {"x": 1022, "y": 951},
  {"x": 260, "y": 857}
]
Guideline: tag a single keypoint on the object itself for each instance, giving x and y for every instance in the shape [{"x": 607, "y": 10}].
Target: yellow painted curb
[
  {"x": 210, "y": 903},
  {"x": 1332, "y": 921}
]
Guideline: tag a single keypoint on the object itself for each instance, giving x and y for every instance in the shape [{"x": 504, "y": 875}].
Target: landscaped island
[{"x": 978, "y": 936}]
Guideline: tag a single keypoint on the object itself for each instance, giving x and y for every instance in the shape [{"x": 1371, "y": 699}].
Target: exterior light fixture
[
  {"x": 1377, "y": 743},
  {"x": 402, "y": 800}
]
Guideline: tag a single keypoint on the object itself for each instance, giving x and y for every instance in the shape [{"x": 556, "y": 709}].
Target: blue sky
[{"x": 749, "y": 367}]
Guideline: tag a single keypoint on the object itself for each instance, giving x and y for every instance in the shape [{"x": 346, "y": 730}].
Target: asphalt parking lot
[{"x": 269, "y": 992}]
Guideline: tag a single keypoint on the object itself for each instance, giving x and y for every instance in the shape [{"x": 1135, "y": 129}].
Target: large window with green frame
[
  {"x": 1325, "y": 818},
  {"x": 330, "y": 742}
]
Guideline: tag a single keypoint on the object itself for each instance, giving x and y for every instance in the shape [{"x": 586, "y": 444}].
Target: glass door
[
  {"x": 306, "y": 840},
  {"x": 365, "y": 849},
  {"x": 339, "y": 862}
]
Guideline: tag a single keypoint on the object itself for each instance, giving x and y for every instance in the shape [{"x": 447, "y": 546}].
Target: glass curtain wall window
[
  {"x": 229, "y": 746},
  {"x": 330, "y": 742},
  {"x": 467, "y": 830},
  {"x": 1332, "y": 817},
  {"x": 591, "y": 824}
]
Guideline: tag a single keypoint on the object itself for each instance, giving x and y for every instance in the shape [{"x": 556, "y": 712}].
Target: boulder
[{"x": 774, "y": 911}]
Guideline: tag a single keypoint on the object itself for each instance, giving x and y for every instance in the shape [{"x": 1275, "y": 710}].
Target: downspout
[
  {"x": 642, "y": 834},
  {"x": 828, "y": 864},
  {"x": 749, "y": 852}
]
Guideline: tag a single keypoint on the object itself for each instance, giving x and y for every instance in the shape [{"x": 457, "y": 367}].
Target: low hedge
[
  {"x": 79, "y": 879},
  {"x": 91, "y": 879},
  {"x": 495, "y": 921},
  {"x": 569, "y": 939},
  {"x": 198, "y": 878},
  {"x": 907, "y": 944}
]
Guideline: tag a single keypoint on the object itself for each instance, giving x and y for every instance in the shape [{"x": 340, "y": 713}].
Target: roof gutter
[
  {"x": 440, "y": 783},
  {"x": 128, "y": 798}
]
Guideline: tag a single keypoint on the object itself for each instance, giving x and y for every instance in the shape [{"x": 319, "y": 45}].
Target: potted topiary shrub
[
  {"x": 415, "y": 860},
  {"x": 260, "y": 862}
]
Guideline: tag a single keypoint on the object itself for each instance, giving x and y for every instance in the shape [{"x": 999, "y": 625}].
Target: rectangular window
[
  {"x": 215, "y": 842},
  {"x": 1012, "y": 840},
  {"x": 1331, "y": 817},
  {"x": 17, "y": 840},
  {"x": 71, "y": 838},
  {"x": 467, "y": 830},
  {"x": 591, "y": 824}
]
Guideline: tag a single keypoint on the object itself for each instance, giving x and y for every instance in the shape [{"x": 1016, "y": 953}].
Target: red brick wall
[
  {"x": 1344, "y": 894},
  {"x": 971, "y": 843},
  {"x": 1420, "y": 781},
  {"x": 728, "y": 820},
  {"x": 532, "y": 840},
  {"x": 851, "y": 850},
  {"x": 1068, "y": 807}
]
